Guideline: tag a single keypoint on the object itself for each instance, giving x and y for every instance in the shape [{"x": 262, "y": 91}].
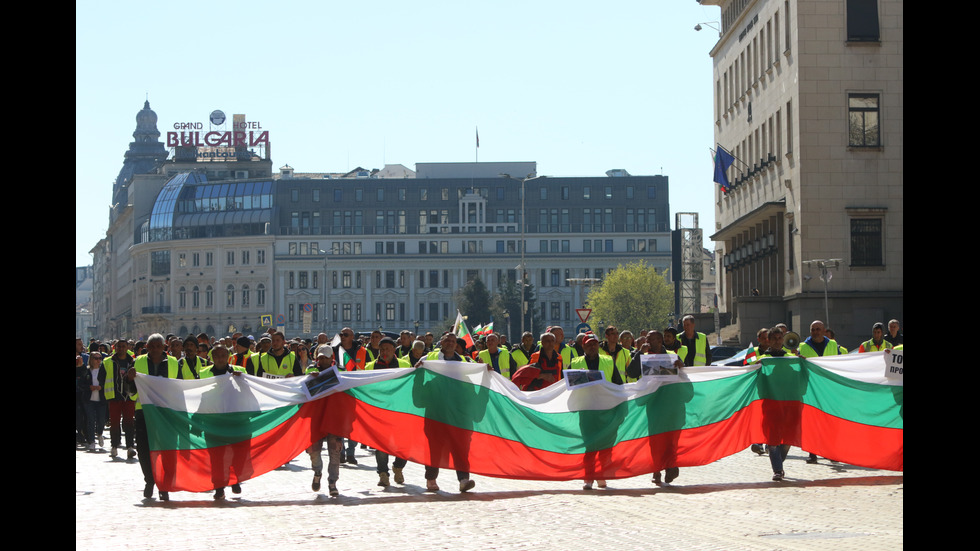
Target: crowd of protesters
[{"x": 106, "y": 396}]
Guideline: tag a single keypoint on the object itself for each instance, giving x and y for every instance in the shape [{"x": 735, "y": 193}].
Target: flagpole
[{"x": 730, "y": 153}]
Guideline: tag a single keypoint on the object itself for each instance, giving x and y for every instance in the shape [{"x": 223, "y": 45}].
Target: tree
[
  {"x": 634, "y": 297},
  {"x": 508, "y": 298},
  {"x": 473, "y": 301}
]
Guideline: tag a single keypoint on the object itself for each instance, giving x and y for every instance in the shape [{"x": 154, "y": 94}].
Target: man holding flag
[{"x": 351, "y": 356}]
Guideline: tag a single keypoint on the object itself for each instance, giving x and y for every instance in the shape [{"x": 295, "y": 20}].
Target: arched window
[
  {"x": 196, "y": 297},
  {"x": 209, "y": 298},
  {"x": 230, "y": 296},
  {"x": 182, "y": 298},
  {"x": 260, "y": 295},
  {"x": 245, "y": 297}
]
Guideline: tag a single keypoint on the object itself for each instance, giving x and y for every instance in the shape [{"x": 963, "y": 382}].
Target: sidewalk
[{"x": 730, "y": 504}]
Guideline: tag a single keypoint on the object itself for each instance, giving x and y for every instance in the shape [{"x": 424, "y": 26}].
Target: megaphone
[{"x": 792, "y": 340}]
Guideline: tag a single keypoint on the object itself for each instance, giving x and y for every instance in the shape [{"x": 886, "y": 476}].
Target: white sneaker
[
  {"x": 587, "y": 485},
  {"x": 91, "y": 447}
]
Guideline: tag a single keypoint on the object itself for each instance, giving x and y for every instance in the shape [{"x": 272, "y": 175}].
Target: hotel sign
[{"x": 214, "y": 140}]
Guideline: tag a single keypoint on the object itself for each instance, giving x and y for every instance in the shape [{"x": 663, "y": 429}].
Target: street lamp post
[
  {"x": 825, "y": 266},
  {"x": 524, "y": 182}
]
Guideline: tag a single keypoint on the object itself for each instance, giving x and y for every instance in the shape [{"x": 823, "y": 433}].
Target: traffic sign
[
  {"x": 583, "y": 328},
  {"x": 583, "y": 313}
]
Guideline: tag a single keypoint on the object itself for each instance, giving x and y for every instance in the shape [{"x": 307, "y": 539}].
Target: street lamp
[
  {"x": 506, "y": 315},
  {"x": 524, "y": 182},
  {"x": 825, "y": 266}
]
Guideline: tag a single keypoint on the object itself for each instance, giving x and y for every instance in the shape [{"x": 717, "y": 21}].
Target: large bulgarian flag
[{"x": 215, "y": 432}]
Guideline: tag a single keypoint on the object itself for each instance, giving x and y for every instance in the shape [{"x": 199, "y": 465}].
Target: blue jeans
[
  {"x": 95, "y": 413},
  {"x": 777, "y": 454},
  {"x": 382, "y": 459}
]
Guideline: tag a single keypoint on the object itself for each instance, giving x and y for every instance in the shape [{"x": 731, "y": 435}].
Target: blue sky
[{"x": 579, "y": 87}]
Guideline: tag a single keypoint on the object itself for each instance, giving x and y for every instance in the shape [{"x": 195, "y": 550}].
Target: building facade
[
  {"x": 808, "y": 97},
  {"x": 230, "y": 245}
]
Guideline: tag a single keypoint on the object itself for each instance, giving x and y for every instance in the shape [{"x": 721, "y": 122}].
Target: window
[
  {"x": 304, "y": 279},
  {"x": 245, "y": 257},
  {"x": 182, "y": 260},
  {"x": 294, "y": 195},
  {"x": 866, "y": 242},
  {"x": 245, "y": 296},
  {"x": 862, "y": 21},
  {"x": 231, "y": 258},
  {"x": 260, "y": 256},
  {"x": 316, "y": 195},
  {"x": 586, "y": 192},
  {"x": 182, "y": 298},
  {"x": 260, "y": 295},
  {"x": 292, "y": 280},
  {"x": 196, "y": 259},
  {"x": 209, "y": 296},
  {"x": 544, "y": 194},
  {"x": 863, "y": 111},
  {"x": 160, "y": 263},
  {"x": 346, "y": 279},
  {"x": 381, "y": 198},
  {"x": 230, "y": 296}
]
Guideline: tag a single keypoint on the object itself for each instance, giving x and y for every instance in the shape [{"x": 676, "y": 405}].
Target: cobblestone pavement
[{"x": 730, "y": 504}]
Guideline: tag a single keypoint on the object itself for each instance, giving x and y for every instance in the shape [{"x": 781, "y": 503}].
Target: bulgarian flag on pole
[
  {"x": 461, "y": 331},
  {"x": 215, "y": 432}
]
